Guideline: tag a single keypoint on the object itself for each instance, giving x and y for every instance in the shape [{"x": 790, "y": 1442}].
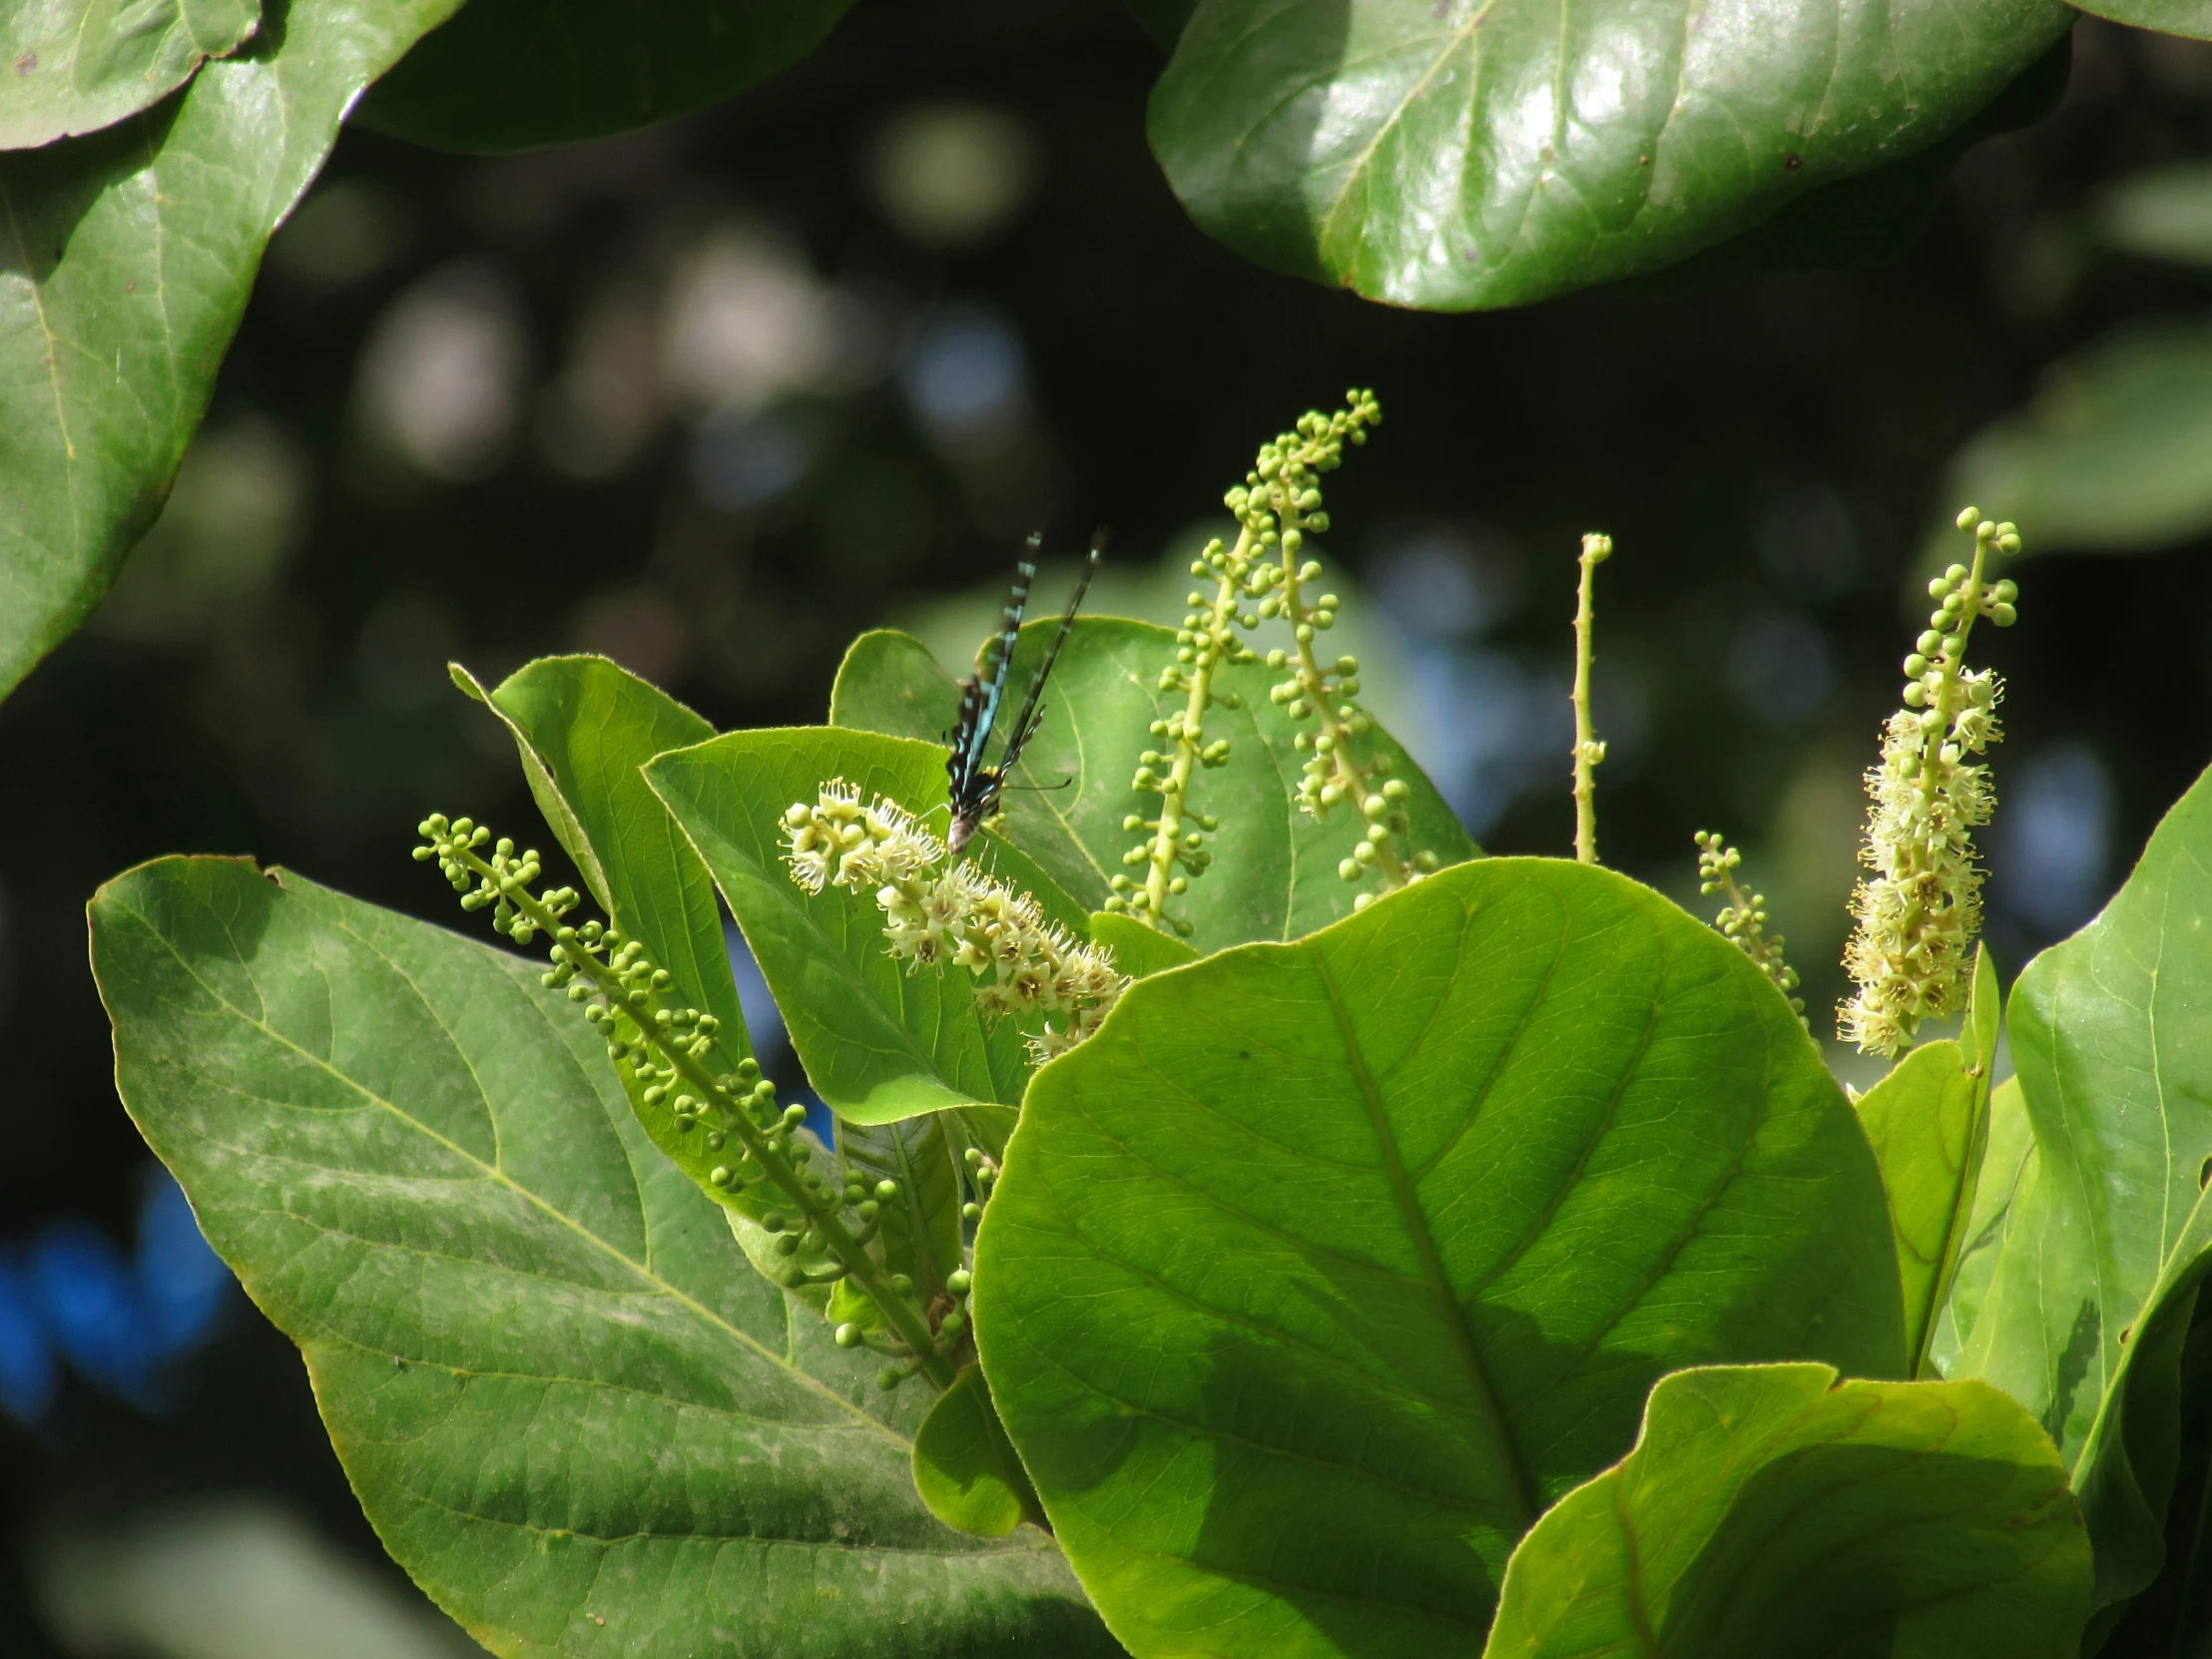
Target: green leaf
[
  {"x": 2161, "y": 213},
  {"x": 516, "y": 74},
  {"x": 559, "y": 1395},
  {"x": 1773, "y": 1510},
  {"x": 1274, "y": 875},
  {"x": 1138, "y": 949},
  {"x": 2008, "y": 1171},
  {"x": 921, "y": 1231},
  {"x": 585, "y": 727},
  {"x": 1928, "y": 1123},
  {"x": 1485, "y": 153},
  {"x": 2113, "y": 454},
  {"x": 125, "y": 263},
  {"x": 966, "y": 1467},
  {"x": 1870, "y": 218},
  {"x": 2086, "y": 1307},
  {"x": 1403, "y": 1221},
  {"x": 1162, "y": 20},
  {"x": 877, "y": 1043},
  {"x": 2168, "y": 17},
  {"x": 80, "y": 65}
]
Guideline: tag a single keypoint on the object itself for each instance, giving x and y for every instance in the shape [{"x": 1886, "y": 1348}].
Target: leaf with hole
[
  {"x": 1323, "y": 1268},
  {"x": 570, "y": 1412}
]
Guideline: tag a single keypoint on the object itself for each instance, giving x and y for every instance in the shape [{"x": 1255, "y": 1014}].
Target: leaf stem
[{"x": 1588, "y": 751}]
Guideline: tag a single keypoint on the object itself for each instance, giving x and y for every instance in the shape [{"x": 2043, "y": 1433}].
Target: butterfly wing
[{"x": 981, "y": 697}]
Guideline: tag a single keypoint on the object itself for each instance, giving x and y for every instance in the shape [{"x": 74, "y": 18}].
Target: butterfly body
[{"x": 975, "y": 786}]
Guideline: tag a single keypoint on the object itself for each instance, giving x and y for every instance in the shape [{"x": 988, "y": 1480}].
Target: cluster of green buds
[
  {"x": 669, "y": 1055},
  {"x": 1743, "y": 916},
  {"x": 1264, "y": 578},
  {"x": 961, "y": 917},
  {"x": 1919, "y": 915},
  {"x": 983, "y": 1176}
]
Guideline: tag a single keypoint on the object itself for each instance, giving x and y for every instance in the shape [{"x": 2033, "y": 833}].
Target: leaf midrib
[
  {"x": 1519, "y": 1488},
  {"x": 493, "y": 1173}
]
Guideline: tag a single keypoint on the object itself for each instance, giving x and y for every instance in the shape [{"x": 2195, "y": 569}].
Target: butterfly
[{"x": 977, "y": 787}]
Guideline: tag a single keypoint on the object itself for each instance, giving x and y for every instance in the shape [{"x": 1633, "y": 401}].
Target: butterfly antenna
[
  {"x": 982, "y": 696},
  {"x": 1032, "y": 712}
]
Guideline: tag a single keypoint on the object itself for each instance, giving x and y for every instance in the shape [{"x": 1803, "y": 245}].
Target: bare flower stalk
[{"x": 1588, "y": 751}]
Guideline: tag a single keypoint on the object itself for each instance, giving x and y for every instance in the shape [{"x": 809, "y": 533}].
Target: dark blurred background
[{"x": 712, "y": 397}]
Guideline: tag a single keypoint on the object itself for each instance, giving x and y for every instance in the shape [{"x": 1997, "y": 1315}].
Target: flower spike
[
  {"x": 1919, "y": 915},
  {"x": 823, "y": 1225},
  {"x": 961, "y": 916}
]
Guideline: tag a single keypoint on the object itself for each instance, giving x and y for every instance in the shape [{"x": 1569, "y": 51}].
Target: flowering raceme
[
  {"x": 962, "y": 917},
  {"x": 1920, "y": 912}
]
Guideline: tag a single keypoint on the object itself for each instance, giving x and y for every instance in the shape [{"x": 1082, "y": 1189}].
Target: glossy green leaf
[
  {"x": 125, "y": 263},
  {"x": 966, "y": 1467},
  {"x": 76, "y": 65},
  {"x": 2168, "y": 17},
  {"x": 2085, "y": 1309},
  {"x": 2113, "y": 454},
  {"x": 515, "y": 74},
  {"x": 1928, "y": 1122},
  {"x": 1870, "y": 217},
  {"x": 1274, "y": 875},
  {"x": 879, "y": 1043},
  {"x": 1323, "y": 1268},
  {"x": 1484, "y": 153},
  {"x": 1777, "y": 1509},
  {"x": 568, "y": 1409}
]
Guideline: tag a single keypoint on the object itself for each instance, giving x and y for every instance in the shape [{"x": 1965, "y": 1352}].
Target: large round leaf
[
  {"x": 1777, "y": 1509},
  {"x": 125, "y": 263},
  {"x": 570, "y": 1408},
  {"x": 1482, "y": 152},
  {"x": 1323, "y": 1268},
  {"x": 513, "y": 74}
]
